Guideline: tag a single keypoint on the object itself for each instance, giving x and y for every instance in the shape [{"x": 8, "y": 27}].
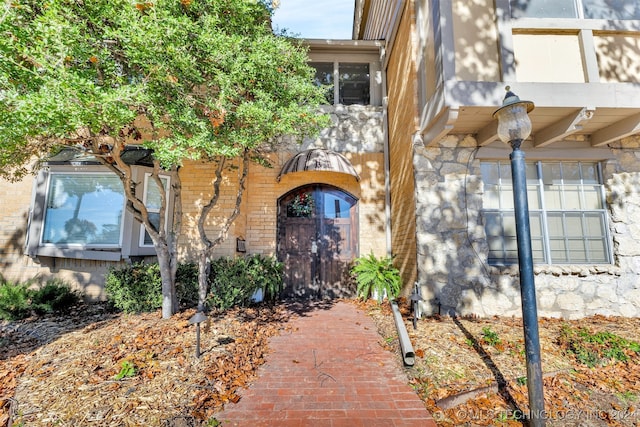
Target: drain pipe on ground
[{"x": 408, "y": 355}]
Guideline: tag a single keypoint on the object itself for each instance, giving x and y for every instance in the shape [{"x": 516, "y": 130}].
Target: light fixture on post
[
  {"x": 198, "y": 318},
  {"x": 514, "y": 126}
]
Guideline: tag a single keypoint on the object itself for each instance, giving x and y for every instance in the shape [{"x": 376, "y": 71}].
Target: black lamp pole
[{"x": 513, "y": 127}]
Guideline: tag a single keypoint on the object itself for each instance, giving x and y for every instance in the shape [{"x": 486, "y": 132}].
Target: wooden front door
[{"x": 317, "y": 240}]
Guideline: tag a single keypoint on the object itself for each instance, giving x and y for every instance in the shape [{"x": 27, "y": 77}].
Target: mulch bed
[
  {"x": 466, "y": 381},
  {"x": 64, "y": 370}
]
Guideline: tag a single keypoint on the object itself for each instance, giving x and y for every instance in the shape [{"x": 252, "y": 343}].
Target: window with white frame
[
  {"x": 153, "y": 201},
  {"x": 354, "y": 82},
  {"x": 567, "y": 213},
  {"x": 588, "y": 9}
]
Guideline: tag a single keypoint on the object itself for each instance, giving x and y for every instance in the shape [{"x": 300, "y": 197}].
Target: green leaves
[
  {"x": 209, "y": 75},
  {"x": 596, "y": 348},
  {"x": 127, "y": 370},
  {"x": 376, "y": 277}
]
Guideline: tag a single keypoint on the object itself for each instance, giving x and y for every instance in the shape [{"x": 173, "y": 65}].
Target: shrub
[
  {"x": 135, "y": 288},
  {"x": 187, "y": 284},
  {"x": 266, "y": 272},
  {"x": 233, "y": 281},
  {"x": 229, "y": 284},
  {"x": 14, "y": 300},
  {"x": 376, "y": 276},
  {"x": 55, "y": 295}
]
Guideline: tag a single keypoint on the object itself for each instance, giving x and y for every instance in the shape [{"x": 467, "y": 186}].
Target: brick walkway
[{"x": 329, "y": 371}]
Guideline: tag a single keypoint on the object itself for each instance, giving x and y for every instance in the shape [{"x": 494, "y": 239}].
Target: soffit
[
  {"x": 374, "y": 19},
  {"x": 598, "y": 113},
  {"x": 472, "y": 119}
]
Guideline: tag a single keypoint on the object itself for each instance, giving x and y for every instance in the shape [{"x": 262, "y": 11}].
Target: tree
[{"x": 189, "y": 79}]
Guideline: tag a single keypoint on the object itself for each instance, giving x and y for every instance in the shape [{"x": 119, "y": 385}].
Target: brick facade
[{"x": 355, "y": 136}]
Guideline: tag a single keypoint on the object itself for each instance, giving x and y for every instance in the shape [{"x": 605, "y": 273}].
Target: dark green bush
[
  {"x": 233, "y": 281},
  {"x": 266, "y": 272},
  {"x": 135, "y": 288},
  {"x": 229, "y": 284},
  {"x": 187, "y": 284},
  {"x": 55, "y": 295},
  {"x": 15, "y": 301},
  {"x": 18, "y": 300}
]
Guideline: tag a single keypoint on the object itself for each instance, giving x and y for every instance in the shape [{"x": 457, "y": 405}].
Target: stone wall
[
  {"x": 452, "y": 251},
  {"x": 353, "y": 129}
]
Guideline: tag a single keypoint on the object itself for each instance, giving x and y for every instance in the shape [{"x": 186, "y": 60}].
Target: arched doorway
[{"x": 317, "y": 240}]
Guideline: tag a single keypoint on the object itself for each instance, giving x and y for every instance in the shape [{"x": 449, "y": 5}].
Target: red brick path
[{"x": 330, "y": 370}]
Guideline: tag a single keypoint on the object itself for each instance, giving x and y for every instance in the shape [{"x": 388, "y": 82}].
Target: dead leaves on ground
[
  {"x": 232, "y": 370},
  {"x": 66, "y": 374},
  {"x": 458, "y": 372},
  {"x": 71, "y": 378}
]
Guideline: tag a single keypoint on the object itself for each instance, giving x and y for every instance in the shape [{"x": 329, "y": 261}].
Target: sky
[{"x": 329, "y": 19}]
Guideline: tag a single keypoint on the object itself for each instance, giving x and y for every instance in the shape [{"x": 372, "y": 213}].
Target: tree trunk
[
  {"x": 203, "y": 279},
  {"x": 164, "y": 241},
  {"x": 167, "y": 274},
  {"x": 209, "y": 245}
]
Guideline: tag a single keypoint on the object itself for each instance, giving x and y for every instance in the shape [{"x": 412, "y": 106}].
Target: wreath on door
[{"x": 301, "y": 206}]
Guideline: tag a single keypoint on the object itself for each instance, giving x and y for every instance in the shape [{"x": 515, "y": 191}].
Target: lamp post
[
  {"x": 514, "y": 126},
  {"x": 198, "y": 318}
]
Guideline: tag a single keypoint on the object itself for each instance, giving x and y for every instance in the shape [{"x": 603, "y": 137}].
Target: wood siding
[{"x": 401, "y": 78}]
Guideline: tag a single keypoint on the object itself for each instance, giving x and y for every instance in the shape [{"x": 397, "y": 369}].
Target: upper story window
[
  {"x": 588, "y": 9},
  {"x": 566, "y": 213},
  {"x": 354, "y": 82}
]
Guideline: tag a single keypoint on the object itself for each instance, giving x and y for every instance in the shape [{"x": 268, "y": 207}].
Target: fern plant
[{"x": 376, "y": 276}]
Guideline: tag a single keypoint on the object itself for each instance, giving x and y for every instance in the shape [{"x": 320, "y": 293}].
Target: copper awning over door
[{"x": 318, "y": 159}]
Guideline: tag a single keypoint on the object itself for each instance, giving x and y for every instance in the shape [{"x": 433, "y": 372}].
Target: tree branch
[
  {"x": 134, "y": 202},
  {"x": 212, "y": 202},
  {"x": 224, "y": 232},
  {"x": 155, "y": 175}
]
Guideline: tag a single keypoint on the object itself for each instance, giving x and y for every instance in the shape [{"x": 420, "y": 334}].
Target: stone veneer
[
  {"x": 452, "y": 250},
  {"x": 353, "y": 129}
]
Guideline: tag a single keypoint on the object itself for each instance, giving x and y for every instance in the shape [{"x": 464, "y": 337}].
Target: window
[
  {"x": 566, "y": 212},
  {"x": 354, "y": 84},
  {"x": 79, "y": 211},
  {"x": 353, "y": 81},
  {"x": 329, "y": 204},
  {"x": 544, "y": 9},
  {"x": 337, "y": 205},
  {"x": 589, "y": 9},
  {"x": 153, "y": 201},
  {"x": 324, "y": 78},
  {"x": 83, "y": 209}
]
